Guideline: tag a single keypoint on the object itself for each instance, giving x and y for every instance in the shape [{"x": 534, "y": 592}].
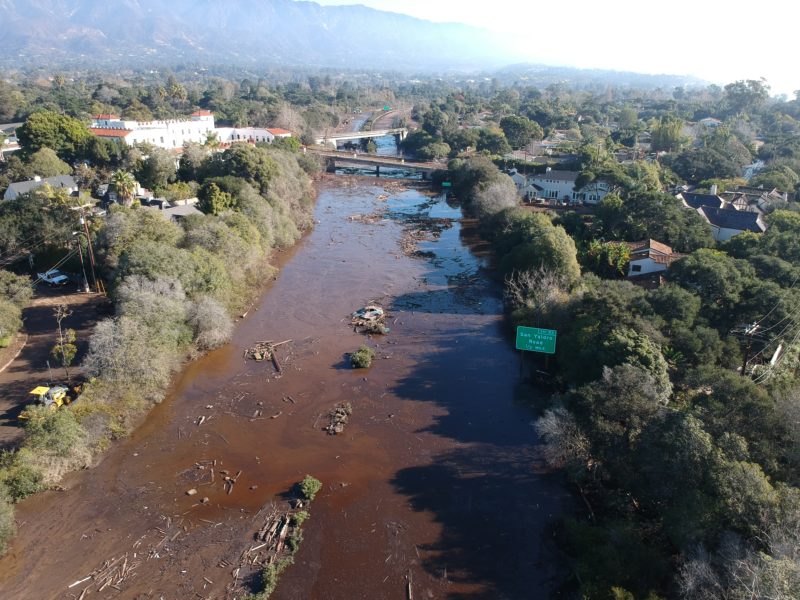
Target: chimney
[{"x": 714, "y": 189}]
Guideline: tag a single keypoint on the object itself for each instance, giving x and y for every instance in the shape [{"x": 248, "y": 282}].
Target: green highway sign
[{"x": 534, "y": 339}]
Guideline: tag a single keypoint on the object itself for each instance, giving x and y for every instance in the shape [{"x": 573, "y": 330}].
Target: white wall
[
  {"x": 164, "y": 134},
  {"x": 646, "y": 266}
]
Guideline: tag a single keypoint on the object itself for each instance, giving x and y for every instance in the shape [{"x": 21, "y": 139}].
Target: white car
[{"x": 53, "y": 277}]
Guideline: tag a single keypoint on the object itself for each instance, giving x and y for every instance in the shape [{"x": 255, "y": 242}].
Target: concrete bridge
[
  {"x": 338, "y": 157},
  {"x": 333, "y": 139}
]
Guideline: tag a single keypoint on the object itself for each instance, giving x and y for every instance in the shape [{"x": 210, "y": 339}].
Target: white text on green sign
[{"x": 534, "y": 339}]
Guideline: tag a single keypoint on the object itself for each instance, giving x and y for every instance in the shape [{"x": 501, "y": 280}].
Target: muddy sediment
[{"x": 435, "y": 479}]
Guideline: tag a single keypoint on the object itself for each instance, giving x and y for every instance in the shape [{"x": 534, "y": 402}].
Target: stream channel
[{"x": 434, "y": 489}]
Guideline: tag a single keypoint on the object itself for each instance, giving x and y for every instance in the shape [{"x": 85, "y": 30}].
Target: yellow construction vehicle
[{"x": 52, "y": 397}]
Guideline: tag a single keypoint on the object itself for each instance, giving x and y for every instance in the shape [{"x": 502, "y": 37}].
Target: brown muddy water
[{"x": 433, "y": 491}]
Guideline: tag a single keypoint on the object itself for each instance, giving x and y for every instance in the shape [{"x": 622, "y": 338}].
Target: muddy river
[{"x": 433, "y": 490}]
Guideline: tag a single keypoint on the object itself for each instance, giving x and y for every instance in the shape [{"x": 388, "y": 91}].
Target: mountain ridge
[{"x": 243, "y": 31}]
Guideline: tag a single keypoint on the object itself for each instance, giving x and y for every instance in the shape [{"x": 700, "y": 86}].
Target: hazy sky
[{"x": 720, "y": 41}]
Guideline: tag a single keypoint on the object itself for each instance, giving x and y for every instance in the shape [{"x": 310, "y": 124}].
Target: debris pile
[
  {"x": 339, "y": 417},
  {"x": 266, "y": 350},
  {"x": 370, "y": 319},
  {"x": 275, "y": 543},
  {"x": 375, "y": 217}
]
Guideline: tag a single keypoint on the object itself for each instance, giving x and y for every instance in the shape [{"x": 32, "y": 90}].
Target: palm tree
[
  {"x": 212, "y": 140},
  {"x": 124, "y": 184}
]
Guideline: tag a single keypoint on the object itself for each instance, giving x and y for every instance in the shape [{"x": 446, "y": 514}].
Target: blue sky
[{"x": 716, "y": 40}]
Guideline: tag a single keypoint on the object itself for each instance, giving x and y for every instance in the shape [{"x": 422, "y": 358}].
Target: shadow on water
[{"x": 492, "y": 498}]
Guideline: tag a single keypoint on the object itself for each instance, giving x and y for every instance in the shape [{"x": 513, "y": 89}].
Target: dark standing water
[{"x": 435, "y": 478}]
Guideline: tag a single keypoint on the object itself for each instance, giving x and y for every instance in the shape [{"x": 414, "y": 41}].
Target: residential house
[
  {"x": 559, "y": 186},
  {"x": 173, "y": 213},
  {"x": 729, "y": 222},
  {"x": 710, "y": 122},
  {"x": 649, "y": 257},
  {"x": 8, "y": 137},
  {"x": 23, "y": 187},
  {"x": 697, "y": 201},
  {"x": 753, "y": 199}
]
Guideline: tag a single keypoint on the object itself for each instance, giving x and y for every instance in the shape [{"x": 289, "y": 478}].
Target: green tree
[
  {"x": 213, "y": 200},
  {"x": 10, "y": 321},
  {"x": 519, "y": 131},
  {"x": 744, "y": 96},
  {"x": 156, "y": 170},
  {"x": 547, "y": 246},
  {"x": 608, "y": 259},
  {"x": 45, "y": 163},
  {"x": 715, "y": 277},
  {"x": 461, "y": 139},
  {"x": 291, "y": 144},
  {"x": 492, "y": 141},
  {"x": 15, "y": 288},
  {"x": 62, "y": 134},
  {"x": 433, "y": 151},
  {"x": 667, "y": 135}
]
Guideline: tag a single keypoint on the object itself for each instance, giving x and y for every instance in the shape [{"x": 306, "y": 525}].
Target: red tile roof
[
  {"x": 649, "y": 247},
  {"x": 279, "y": 131},
  {"x": 202, "y": 113},
  {"x": 109, "y": 132}
]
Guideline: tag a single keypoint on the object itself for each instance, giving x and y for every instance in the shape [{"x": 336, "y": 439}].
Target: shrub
[
  {"x": 20, "y": 480},
  {"x": 300, "y": 517},
  {"x": 362, "y": 358},
  {"x": 309, "y": 487},
  {"x": 294, "y": 540},
  {"x": 7, "y": 525},
  {"x": 212, "y": 325},
  {"x": 10, "y": 319},
  {"x": 269, "y": 578}
]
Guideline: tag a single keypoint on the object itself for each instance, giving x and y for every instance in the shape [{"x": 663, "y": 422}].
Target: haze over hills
[
  {"x": 65, "y": 34},
  {"x": 238, "y": 31}
]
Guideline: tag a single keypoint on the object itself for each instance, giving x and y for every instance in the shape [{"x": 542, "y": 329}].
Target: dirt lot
[{"x": 29, "y": 368}]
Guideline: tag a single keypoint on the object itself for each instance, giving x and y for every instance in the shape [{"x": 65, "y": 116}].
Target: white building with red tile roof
[
  {"x": 173, "y": 134},
  {"x": 650, "y": 256}
]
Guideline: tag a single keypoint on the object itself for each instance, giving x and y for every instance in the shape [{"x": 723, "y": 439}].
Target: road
[{"x": 29, "y": 368}]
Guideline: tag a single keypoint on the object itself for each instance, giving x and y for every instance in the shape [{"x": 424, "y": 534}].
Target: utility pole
[
  {"x": 91, "y": 252},
  {"x": 83, "y": 266},
  {"x": 747, "y": 333}
]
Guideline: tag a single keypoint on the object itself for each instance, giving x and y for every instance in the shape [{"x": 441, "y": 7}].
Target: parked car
[{"x": 53, "y": 277}]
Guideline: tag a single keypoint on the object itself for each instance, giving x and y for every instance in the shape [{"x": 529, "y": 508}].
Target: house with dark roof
[
  {"x": 650, "y": 256},
  {"x": 697, "y": 201},
  {"x": 15, "y": 190},
  {"x": 727, "y": 223}
]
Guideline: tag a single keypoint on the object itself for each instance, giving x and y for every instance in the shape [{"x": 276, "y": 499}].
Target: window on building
[{"x": 636, "y": 268}]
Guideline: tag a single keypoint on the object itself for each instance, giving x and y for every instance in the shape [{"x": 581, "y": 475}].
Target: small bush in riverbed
[
  {"x": 294, "y": 540},
  {"x": 362, "y": 358},
  {"x": 20, "y": 480},
  {"x": 299, "y": 518},
  {"x": 309, "y": 487},
  {"x": 269, "y": 578},
  {"x": 7, "y": 526}
]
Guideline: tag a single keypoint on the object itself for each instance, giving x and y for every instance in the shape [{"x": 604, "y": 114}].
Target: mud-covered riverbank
[{"x": 433, "y": 481}]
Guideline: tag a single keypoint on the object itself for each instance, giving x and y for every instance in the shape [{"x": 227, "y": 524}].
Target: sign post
[{"x": 534, "y": 339}]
